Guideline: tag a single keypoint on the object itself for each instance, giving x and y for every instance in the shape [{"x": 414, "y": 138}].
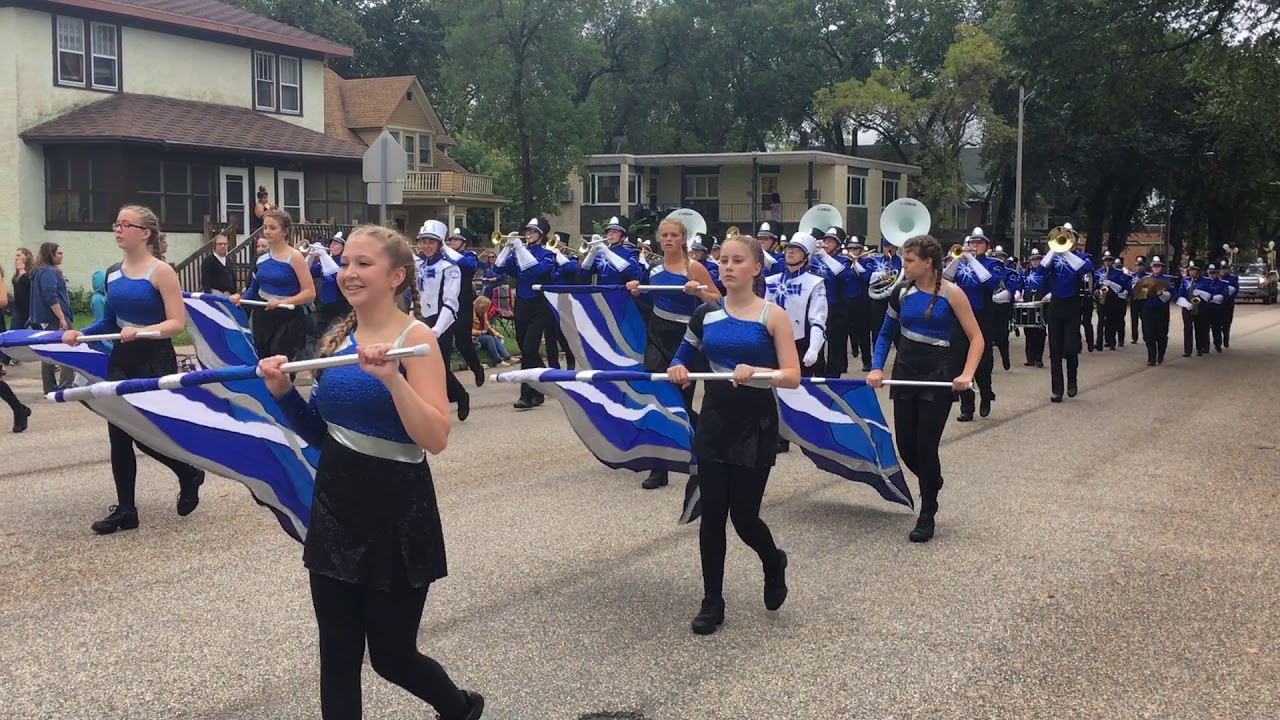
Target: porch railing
[{"x": 448, "y": 183}]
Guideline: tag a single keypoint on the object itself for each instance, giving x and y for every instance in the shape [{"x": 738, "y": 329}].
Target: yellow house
[
  {"x": 186, "y": 107},
  {"x": 437, "y": 187},
  {"x": 742, "y": 189}
]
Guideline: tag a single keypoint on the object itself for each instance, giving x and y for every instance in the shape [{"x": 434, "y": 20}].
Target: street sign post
[{"x": 385, "y": 169}]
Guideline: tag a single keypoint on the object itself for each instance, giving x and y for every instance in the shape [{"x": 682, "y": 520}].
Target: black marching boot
[
  {"x": 775, "y": 582},
  {"x": 118, "y": 519},
  {"x": 710, "y": 617},
  {"x": 656, "y": 479},
  {"x": 923, "y": 531},
  {"x": 189, "y": 493},
  {"x": 20, "y": 417}
]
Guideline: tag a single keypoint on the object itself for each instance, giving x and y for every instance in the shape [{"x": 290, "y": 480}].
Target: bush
[{"x": 81, "y": 305}]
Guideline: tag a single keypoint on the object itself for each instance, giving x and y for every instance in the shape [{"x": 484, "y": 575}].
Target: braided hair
[{"x": 396, "y": 248}]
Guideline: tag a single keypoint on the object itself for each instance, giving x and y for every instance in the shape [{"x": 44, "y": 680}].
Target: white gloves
[
  {"x": 816, "y": 339},
  {"x": 450, "y": 253},
  {"x": 1217, "y": 299},
  {"x": 1164, "y": 296},
  {"x": 524, "y": 258}
]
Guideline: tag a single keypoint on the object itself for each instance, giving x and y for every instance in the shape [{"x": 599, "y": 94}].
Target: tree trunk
[{"x": 1096, "y": 215}]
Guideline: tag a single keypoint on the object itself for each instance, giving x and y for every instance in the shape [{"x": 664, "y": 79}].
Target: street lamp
[{"x": 1023, "y": 97}]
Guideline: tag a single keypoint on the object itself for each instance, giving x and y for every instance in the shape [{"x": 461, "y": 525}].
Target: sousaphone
[
  {"x": 692, "y": 220},
  {"x": 821, "y": 218},
  {"x": 900, "y": 221}
]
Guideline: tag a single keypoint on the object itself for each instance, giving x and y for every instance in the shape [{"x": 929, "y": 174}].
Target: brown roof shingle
[
  {"x": 157, "y": 120},
  {"x": 369, "y": 102},
  {"x": 335, "y": 115},
  {"x": 217, "y": 17}
]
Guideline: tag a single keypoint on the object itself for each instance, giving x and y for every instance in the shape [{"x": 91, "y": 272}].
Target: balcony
[{"x": 442, "y": 184}]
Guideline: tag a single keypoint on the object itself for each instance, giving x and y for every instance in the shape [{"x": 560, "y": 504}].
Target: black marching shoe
[
  {"x": 20, "y": 417},
  {"x": 1055, "y": 397},
  {"x": 189, "y": 493},
  {"x": 775, "y": 582},
  {"x": 784, "y": 446},
  {"x": 1039, "y": 364},
  {"x": 464, "y": 407},
  {"x": 480, "y": 376},
  {"x": 475, "y": 706},
  {"x": 1186, "y": 354},
  {"x": 523, "y": 404},
  {"x": 923, "y": 531},
  {"x": 1028, "y": 364},
  {"x": 1218, "y": 348},
  {"x": 117, "y": 520},
  {"x": 538, "y": 400},
  {"x": 1005, "y": 361},
  {"x": 1151, "y": 363},
  {"x": 984, "y": 407},
  {"x": 1071, "y": 388},
  {"x": 709, "y": 618},
  {"x": 656, "y": 479},
  {"x": 965, "y": 416}
]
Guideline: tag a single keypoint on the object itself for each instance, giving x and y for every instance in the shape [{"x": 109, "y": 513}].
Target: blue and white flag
[
  {"x": 839, "y": 426},
  {"x": 233, "y": 430},
  {"x": 219, "y": 331},
  {"x": 602, "y": 324}
]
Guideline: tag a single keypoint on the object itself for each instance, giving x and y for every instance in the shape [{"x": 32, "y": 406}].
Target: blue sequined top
[
  {"x": 354, "y": 408},
  {"x": 911, "y": 321},
  {"x": 673, "y": 306},
  {"x": 729, "y": 342},
  {"x": 131, "y": 302},
  {"x": 274, "y": 280}
]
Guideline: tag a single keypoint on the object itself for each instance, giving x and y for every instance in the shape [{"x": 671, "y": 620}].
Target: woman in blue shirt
[
  {"x": 142, "y": 296},
  {"x": 736, "y": 438},
  {"x": 922, "y": 317},
  {"x": 282, "y": 277},
  {"x": 374, "y": 544}
]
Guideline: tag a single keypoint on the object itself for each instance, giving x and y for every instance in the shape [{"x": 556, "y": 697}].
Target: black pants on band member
[
  {"x": 460, "y": 332},
  {"x": 1115, "y": 321},
  {"x": 533, "y": 315},
  {"x": 981, "y": 378},
  {"x": 1214, "y": 316},
  {"x": 1035, "y": 343},
  {"x": 1135, "y": 316},
  {"x": 349, "y": 616},
  {"x": 839, "y": 327},
  {"x": 1155, "y": 331},
  {"x": 919, "y": 423},
  {"x": 1064, "y": 340},
  {"x": 1195, "y": 331},
  {"x": 861, "y": 331},
  {"x": 1228, "y": 317},
  {"x": 453, "y": 389},
  {"x": 1002, "y": 316},
  {"x": 1086, "y": 319}
]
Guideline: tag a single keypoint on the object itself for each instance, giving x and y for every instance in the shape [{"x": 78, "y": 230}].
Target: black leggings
[
  {"x": 730, "y": 491},
  {"x": 6, "y": 394},
  {"x": 919, "y": 424},
  {"x": 348, "y": 616},
  {"x": 124, "y": 465}
]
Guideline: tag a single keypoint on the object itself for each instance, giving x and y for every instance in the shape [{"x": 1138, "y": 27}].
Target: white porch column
[
  {"x": 451, "y": 217},
  {"x": 624, "y": 189},
  {"x": 497, "y": 218}
]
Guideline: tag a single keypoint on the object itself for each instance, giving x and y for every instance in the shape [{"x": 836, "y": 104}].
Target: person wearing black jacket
[{"x": 217, "y": 272}]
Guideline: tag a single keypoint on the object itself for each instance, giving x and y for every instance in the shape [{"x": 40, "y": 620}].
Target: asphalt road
[{"x": 1115, "y": 556}]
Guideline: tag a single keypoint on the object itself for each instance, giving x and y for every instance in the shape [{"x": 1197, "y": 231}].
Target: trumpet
[
  {"x": 496, "y": 238},
  {"x": 956, "y": 251}
]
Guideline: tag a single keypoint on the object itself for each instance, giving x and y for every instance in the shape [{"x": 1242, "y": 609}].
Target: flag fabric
[
  {"x": 219, "y": 331},
  {"x": 839, "y": 426},
  {"x": 233, "y": 430},
  {"x": 602, "y": 324}
]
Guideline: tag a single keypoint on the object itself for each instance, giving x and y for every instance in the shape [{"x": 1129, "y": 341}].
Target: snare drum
[{"x": 1029, "y": 314}]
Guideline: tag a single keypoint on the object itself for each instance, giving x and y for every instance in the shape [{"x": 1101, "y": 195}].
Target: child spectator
[
  {"x": 485, "y": 336},
  {"x": 98, "y": 303}
]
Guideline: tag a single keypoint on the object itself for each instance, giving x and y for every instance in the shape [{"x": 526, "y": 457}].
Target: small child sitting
[{"x": 485, "y": 337}]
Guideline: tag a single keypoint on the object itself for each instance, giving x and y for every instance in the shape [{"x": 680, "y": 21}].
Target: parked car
[{"x": 1257, "y": 282}]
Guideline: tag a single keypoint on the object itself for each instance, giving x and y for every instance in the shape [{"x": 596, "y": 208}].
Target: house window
[
  {"x": 702, "y": 187},
  {"x": 290, "y": 85},
  {"x": 106, "y": 57},
  {"x": 890, "y": 192},
  {"x": 76, "y": 187},
  {"x": 858, "y": 191},
  {"x": 70, "y": 51},
  {"x": 264, "y": 81},
  {"x": 180, "y": 193},
  {"x": 410, "y": 145},
  {"x": 336, "y": 197},
  {"x": 426, "y": 149},
  {"x": 633, "y": 189},
  {"x": 768, "y": 186},
  {"x": 605, "y": 189}
]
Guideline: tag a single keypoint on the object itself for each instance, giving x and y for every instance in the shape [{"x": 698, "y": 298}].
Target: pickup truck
[{"x": 1257, "y": 283}]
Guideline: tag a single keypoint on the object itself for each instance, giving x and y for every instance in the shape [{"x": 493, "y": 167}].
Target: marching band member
[
  {"x": 279, "y": 331},
  {"x": 1229, "y": 304},
  {"x": 837, "y": 273},
  {"x": 976, "y": 275},
  {"x": 143, "y": 295},
  {"x": 1155, "y": 314},
  {"x": 613, "y": 261},
  {"x": 715, "y": 251},
  {"x": 802, "y": 295},
  {"x": 439, "y": 283},
  {"x": 1086, "y": 291},
  {"x": 736, "y": 439},
  {"x": 1064, "y": 274},
  {"x": 1031, "y": 289},
  {"x": 1193, "y": 293},
  {"x": 1136, "y": 305},
  {"x": 769, "y": 234},
  {"x": 375, "y": 543},
  {"x": 1118, "y": 284},
  {"x": 884, "y": 266},
  {"x": 1100, "y": 299},
  {"x": 922, "y": 316},
  {"x": 530, "y": 264},
  {"x": 698, "y": 253},
  {"x": 860, "y": 310},
  {"x": 457, "y": 252},
  {"x": 1218, "y": 292},
  {"x": 669, "y": 321},
  {"x": 324, "y": 271},
  {"x": 1002, "y": 306}
]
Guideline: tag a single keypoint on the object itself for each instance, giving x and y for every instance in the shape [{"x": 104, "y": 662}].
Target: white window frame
[
  {"x": 283, "y": 176},
  {"x": 777, "y": 188},
  {"x": 691, "y": 191},
  {"x": 427, "y": 141},
  {"x": 273, "y": 80},
  {"x": 884, "y": 191},
  {"x": 90, "y": 74},
  {"x": 852, "y": 200},
  {"x": 281, "y": 84},
  {"x": 411, "y": 154},
  {"x": 633, "y": 189},
  {"x": 593, "y": 197},
  {"x": 83, "y": 52}
]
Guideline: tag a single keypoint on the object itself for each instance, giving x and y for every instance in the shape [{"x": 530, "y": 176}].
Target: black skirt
[
  {"x": 141, "y": 359},
  {"x": 279, "y": 332},
  {"x": 919, "y": 361},
  {"x": 737, "y": 426},
  {"x": 374, "y": 521},
  {"x": 662, "y": 340}
]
